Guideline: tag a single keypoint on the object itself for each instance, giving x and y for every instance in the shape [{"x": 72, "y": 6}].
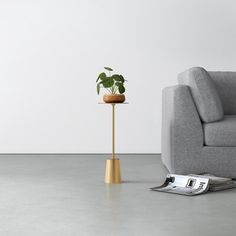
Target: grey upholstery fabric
[
  {"x": 204, "y": 92},
  {"x": 183, "y": 149},
  {"x": 181, "y": 129},
  {"x": 226, "y": 86},
  {"x": 221, "y": 133}
]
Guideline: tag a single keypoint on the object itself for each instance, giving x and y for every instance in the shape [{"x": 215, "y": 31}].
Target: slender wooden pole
[{"x": 113, "y": 131}]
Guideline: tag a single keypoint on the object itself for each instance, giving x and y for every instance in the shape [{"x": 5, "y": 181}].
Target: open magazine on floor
[{"x": 194, "y": 184}]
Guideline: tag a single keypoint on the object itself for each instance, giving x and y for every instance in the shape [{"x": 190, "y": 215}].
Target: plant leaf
[
  {"x": 116, "y": 77},
  {"x": 108, "y": 68},
  {"x": 98, "y": 88},
  {"x": 102, "y": 76},
  {"x": 118, "y": 83},
  {"x": 108, "y": 82},
  {"x": 122, "y": 79},
  {"x": 121, "y": 89},
  {"x": 119, "y": 78}
]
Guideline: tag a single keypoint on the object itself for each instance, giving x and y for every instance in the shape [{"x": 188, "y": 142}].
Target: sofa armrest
[{"x": 182, "y": 132}]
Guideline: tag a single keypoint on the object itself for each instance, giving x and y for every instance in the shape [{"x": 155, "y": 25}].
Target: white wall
[{"x": 52, "y": 50}]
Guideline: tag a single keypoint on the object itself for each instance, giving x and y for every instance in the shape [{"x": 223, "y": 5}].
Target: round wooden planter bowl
[{"x": 113, "y": 98}]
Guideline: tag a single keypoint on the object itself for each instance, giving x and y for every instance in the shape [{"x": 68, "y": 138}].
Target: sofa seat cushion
[
  {"x": 204, "y": 93},
  {"x": 221, "y": 133}
]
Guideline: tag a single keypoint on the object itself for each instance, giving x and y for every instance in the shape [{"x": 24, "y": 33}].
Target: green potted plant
[{"x": 114, "y": 85}]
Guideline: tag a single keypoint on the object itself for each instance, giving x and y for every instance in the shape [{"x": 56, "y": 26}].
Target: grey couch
[{"x": 199, "y": 123}]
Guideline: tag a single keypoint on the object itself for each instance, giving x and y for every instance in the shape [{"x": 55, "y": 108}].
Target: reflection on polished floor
[{"x": 64, "y": 195}]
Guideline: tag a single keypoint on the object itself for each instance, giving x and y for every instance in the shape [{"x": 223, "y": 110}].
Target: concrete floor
[{"x": 64, "y": 195}]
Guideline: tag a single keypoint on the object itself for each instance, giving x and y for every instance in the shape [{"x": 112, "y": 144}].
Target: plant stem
[
  {"x": 115, "y": 89},
  {"x": 108, "y": 89}
]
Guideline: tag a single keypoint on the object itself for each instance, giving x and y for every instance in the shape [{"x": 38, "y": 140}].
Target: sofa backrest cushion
[
  {"x": 204, "y": 93},
  {"x": 225, "y": 82}
]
